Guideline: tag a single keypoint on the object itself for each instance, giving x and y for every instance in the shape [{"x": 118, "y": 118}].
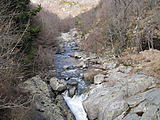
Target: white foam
[{"x": 76, "y": 106}]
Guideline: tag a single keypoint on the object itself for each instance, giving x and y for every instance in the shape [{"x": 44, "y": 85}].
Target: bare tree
[{"x": 131, "y": 24}]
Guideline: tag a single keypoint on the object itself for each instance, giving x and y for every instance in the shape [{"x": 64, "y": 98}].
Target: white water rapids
[{"x": 76, "y": 106}]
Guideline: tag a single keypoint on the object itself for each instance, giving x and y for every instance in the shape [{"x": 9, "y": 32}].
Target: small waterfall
[{"x": 76, "y": 106}]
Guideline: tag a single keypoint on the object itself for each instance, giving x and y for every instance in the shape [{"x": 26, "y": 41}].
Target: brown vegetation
[
  {"x": 133, "y": 23},
  {"x": 148, "y": 61},
  {"x": 126, "y": 24},
  {"x": 94, "y": 42},
  {"x": 16, "y": 55}
]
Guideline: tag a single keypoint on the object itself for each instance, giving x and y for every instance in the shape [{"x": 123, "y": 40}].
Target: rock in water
[
  {"x": 72, "y": 91},
  {"x": 58, "y": 85}
]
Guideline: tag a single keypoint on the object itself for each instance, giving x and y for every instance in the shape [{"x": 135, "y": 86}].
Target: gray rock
[
  {"x": 107, "y": 102},
  {"x": 135, "y": 100},
  {"x": 66, "y": 36},
  {"x": 37, "y": 86},
  {"x": 148, "y": 103},
  {"x": 131, "y": 117},
  {"x": 153, "y": 96},
  {"x": 72, "y": 91},
  {"x": 110, "y": 65},
  {"x": 66, "y": 67},
  {"x": 99, "y": 78},
  {"x": 121, "y": 68},
  {"x": 117, "y": 76},
  {"x": 58, "y": 85},
  {"x": 114, "y": 109},
  {"x": 43, "y": 102},
  {"x": 73, "y": 73},
  {"x": 138, "y": 83},
  {"x": 153, "y": 113},
  {"x": 97, "y": 66},
  {"x": 125, "y": 69},
  {"x": 73, "y": 83},
  {"x": 132, "y": 84},
  {"x": 99, "y": 101},
  {"x": 94, "y": 60},
  {"x": 141, "y": 107}
]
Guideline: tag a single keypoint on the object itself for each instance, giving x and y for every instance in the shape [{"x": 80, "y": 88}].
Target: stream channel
[{"x": 66, "y": 69}]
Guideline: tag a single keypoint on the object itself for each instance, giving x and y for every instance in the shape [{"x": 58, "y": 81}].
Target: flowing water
[
  {"x": 65, "y": 66},
  {"x": 72, "y": 73}
]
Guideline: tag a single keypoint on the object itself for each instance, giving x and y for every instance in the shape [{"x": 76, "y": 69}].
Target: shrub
[
  {"x": 16, "y": 53},
  {"x": 133, "y": 23}
]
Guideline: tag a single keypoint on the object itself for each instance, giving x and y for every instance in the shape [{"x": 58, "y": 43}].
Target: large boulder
[
  {"x": 72, "y": 91},
  {"x": 138, "y": 83},
  {"x": 131, "y": 83},
  {"x": 58, "y": 85},
  {"x": 105, "y": 103},
  {"x": 108, "y": 101}
]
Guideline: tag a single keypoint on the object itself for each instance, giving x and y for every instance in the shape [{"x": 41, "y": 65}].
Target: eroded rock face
[
  {"x": 45, "y": 106},
  {"x": 110, "y": 101},
  {"x": 43, "y": 100}
]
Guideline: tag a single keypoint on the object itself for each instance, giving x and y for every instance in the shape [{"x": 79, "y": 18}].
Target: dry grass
[
  {"x": 148, "y": 61},
  {"x": 94, "y": 42}
]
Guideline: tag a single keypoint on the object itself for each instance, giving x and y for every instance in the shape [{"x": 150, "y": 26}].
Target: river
[{"x": 66, "y": 68}]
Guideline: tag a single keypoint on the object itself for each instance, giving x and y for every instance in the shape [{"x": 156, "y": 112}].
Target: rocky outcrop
[
  {"x": 145, "y": 106},
  {"x": 123, "y": 96},
  {"x": 46, "y": 106}
]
